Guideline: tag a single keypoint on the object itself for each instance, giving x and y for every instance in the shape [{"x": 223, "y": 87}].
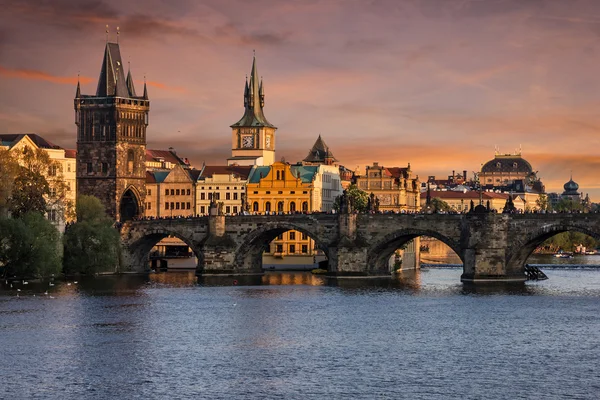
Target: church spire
[
  {"x": 112, "y": 77},
  {"x": 254, "y": 101},
  {"x": 130, "y": 87},
  {"x": 145, "y": 90},
  {"x": 78, "y": 91}
]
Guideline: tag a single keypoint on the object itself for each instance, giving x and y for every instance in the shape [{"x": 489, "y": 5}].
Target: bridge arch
[
  {"x": 523, "y": 248},
  {"x": 248, "y": 255},
  {"x": 380, "y": 252},
  {"x": 140, "y": 240}
]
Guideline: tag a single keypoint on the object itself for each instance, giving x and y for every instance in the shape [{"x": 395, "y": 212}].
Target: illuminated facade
[{"x": 395, "y": 187}]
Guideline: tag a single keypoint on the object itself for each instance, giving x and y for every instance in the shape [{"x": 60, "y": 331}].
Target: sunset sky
[{"x": 437, "y": 83}]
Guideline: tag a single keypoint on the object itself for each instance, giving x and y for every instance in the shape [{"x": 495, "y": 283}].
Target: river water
[{"x": 298, "y": 336}]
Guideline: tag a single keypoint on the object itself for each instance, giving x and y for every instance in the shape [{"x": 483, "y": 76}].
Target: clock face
[
  {"x": 268, "y": 141},
  {"x": 248, "y": 141}
]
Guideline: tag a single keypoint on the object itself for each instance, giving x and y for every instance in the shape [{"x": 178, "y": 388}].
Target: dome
[
  {"x": 507, "y": 163},
  {"x": 571, "y": 186}
]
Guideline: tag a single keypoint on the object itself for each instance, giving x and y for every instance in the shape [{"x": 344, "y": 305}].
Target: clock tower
[{"x": 253, "y": 137}]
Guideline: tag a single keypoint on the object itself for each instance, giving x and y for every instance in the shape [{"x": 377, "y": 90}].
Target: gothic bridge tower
[
  {"x": 253, "y": 137},
  {"x": 111, "y": 140}
]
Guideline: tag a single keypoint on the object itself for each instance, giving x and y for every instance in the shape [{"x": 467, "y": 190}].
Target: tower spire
[
  {"x": 130, "y": 86},
  {"x": 78, "y": 92},
  {"x": 145, "y": 89}
]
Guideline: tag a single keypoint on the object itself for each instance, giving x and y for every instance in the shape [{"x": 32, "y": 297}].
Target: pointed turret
[
  {"x": 130, "y": 87},
  {"x": 145, "y": 91},
  {"x": 78, "y": 91},
  {"x": 253, "y": 102},
  {"x": 261, "y": 94},
  {"x": 320, "y": 153},
  {"x": 112, "y": 77}
]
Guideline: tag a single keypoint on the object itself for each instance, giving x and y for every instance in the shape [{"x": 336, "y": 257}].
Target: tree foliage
[
  {"x": 92, "y": 244},
  {"x": 567, "y": 205},
  {"x": 439, "y": 205},
  {"x": 29, "y": 247},
  {"x": 542, "y": 202},
  {"x": 567, "y": 241},
  {"x": 9, "y": 168},
  {"x": 359, "y": 198}
]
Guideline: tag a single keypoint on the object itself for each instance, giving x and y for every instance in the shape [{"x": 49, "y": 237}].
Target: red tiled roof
[
  {"x": 241, "y": 171},
  {"x": 450, "y": 194},
  {"x": 397, "y": 172},
  {"x": 166, "y": 155},
  {"x": 70, "y": 153},
  {"x": 150, "y": 177}
]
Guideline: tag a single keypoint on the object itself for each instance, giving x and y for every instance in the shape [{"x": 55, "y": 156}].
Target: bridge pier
[
  {"x": 218, "y": 250},
  {"x": 485, "y": 239}
]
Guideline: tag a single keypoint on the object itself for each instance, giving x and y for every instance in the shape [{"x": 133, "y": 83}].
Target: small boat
[{"x": 563, "y": 255}]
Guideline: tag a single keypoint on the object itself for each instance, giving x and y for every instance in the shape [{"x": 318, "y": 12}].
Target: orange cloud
[
  {"x": 163, "y": 86},
  {"x": 35, "y": 75}
]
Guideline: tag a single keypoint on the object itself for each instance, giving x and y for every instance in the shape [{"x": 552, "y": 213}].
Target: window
[
  {"x": 280, "y": 237},
  {"x": 172, "y": 192},
  {"x": 292, "y": 248},
  {"x": 202, "y": 209},
  {"x": 188, "y": 192},
  {"x": 227, "y": 196},
  {"x": 69, "y": 167},
  {"x": 166, "y": 192},
  {"x": 268, "y": 192},
  {"x": 268, "y": 206},
  {"x": 255, "y": 192},
  {"x": 292, "y": 206},
  {"x": 52, "y": 170},
  {"x": 166, "y": 206},
  {"x": 104, "y": 168},
  {"x": 90, "y": 169},
  {"x": 202, "y": 196},
  {"x": 279, "y": 248},
  {"x": 188, "y": 206},
  {"x": 172, "y": 206},
  {"x": 305, "y": 206},
  {"x": 304, "y": 249},
  {"x": 130, "y": 159},
  {"x": 177, "y": 205},
  {"x": 305, "y": 192},
  {"x": 149, "y": 191},
  {"x": 210, "y": 196},
  {"x": 255, "y": 206},
  {"x": 280, "y": 192},
  {"x": 292, "y": 235},
  {"x": 235, "y": 196},
  {"x": 217, "y": 196},
  {"x": 235, "y": 209},
  {"x": 292, "y": 192},
  {"x": 280, "y": 206},
  {"x": 149, "y": 206},
  {"x": 228, "y": 210},
  {"x": 182, "y": 205},
  {"x": 177, "y": 192}
]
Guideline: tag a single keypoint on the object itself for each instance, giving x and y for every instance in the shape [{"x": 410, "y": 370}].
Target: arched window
[
  {"x": 280, "y": 206},
  {"x": 268, "y": 206},
  {"x": 130, "y": 158},
  {"x": 255, "y": 206},
  {"x": 278, "y": 176},
  {"x": 305, "y": 206},
  {"x": 292, "y": 207}
]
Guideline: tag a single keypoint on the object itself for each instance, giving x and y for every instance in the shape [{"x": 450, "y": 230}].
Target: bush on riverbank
[
  {"x": 29, "y": 247},
  {"x": 92, "y": 244}
]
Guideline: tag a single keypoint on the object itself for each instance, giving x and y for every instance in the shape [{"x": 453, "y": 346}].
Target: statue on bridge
[{"x": 245, "y": 206}]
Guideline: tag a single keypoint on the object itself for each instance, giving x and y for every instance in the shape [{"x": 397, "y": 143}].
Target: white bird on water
[{"x": 25, "y": 283}]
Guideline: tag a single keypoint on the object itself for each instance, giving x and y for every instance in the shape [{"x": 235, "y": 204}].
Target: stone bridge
[{"x": 492, "y": 247}]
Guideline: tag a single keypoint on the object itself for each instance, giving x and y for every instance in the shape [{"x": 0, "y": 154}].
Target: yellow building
[
  {"x": 395, "y": 187},
  {"x": 61, "y": 200},
  {"x": 283, "y": 188},
  {"x": 171, "y": 193},
  {"x": 227, "y": 184}
]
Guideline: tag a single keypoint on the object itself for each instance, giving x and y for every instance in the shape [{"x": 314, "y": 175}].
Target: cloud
[
  {"x": 31, "y": 74},
  {"x": 230, "y": 33},
  {"x": 163, "y": 86}
]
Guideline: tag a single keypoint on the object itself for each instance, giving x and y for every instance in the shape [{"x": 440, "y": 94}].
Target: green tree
[
  {"x": 359, "y": 199},
  {"x": 567, "y": 241},
  {"x": 569, "y": 205},
  {"x": 542, "y": 202},
  {"x": 9, "y": 167},
  {"x": 439, "y": 205},
  {"x": 29, "y": 247},
  {"x": 29, "y": 193},
  {"x": 92, "y": 244}
]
